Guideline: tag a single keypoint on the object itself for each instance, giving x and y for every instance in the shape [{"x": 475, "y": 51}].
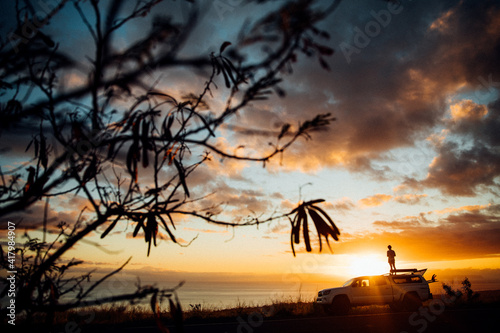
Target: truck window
[
  {"x": 364, "y": 282},
  {"x": 378, "y": 281},
  {"x": 347, "y": 283},
  {"x": 407, "y": 279}
]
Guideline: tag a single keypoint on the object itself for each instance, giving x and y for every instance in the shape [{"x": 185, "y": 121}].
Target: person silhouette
[{"x": 392, "y": 262}]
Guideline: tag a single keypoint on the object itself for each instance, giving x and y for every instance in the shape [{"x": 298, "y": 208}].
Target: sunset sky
[{"x": 413, "y": 159}]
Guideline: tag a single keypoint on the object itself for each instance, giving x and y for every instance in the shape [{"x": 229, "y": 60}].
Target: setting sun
[{"x": 367, "y": 264}]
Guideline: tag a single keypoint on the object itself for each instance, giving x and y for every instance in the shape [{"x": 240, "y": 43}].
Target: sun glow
[{"x": 367, "y": 264}]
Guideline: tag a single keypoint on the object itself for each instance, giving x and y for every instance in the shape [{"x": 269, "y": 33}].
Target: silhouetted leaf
[
  {"x": 46, "y": 39},
  {"x": 324, "y": 34},
  {"x": 167, "y": 124},
  {"x": 29, "y": 145},
  {"x": 171, "y": 155},
  {"x": 305, "y": 229},
  {"x": 138, "y": 227},
  {"x": 324, "y": 64},
  {"x": 226, "y": 78},
  {"x": 228, "y": 70},
  {"x": 300, "y": 217},
  {"x": 111, "y": 226},
  {"x": 43, "y": 152},
  {"x": 284, "y": 130},
  {"x": 145, "y": 143},
  {"x": 324, "y": 50},
  {"x": 323, "y": 228},
  {"x": 223, "y": 46},
  {"x": 292, "y": 223},
  {"x": 170, "y": 234},
  {"x": 170, "y": 217},
  {"x": 136, "y": 129},
  {"x": 334, "y": 227},
  {"x": 130, "y": 121},
  {"x": 111, "y": 150},
  {"x": 151, "y": 231},
  {"x": 307, "y": 203},
  {"x": 132, "y": 159},
  {"x": 182, "y": 176},
  {"x": 279, "y": 91},
  {"x": 91, "y": 170},
  {"x": 31, "y": 179}
]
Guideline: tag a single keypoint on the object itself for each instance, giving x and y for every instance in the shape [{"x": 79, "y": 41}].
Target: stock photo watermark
[
  {"x": 425, "y": 315},
  {"x": 488, "y": 87},
  {"x": 31, "y": 27},
  {"x": 11, "y": 273},
  {"x": 256, "y": 318},
  {"x": 224, "y": 6},
  {"x": 362, "y": 37}
]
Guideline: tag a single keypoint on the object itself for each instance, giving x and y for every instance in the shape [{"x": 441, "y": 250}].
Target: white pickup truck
[{"x": 404, "y": 289}]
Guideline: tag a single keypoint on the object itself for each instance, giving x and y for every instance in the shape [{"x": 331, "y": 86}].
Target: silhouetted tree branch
[{"x": 127, "y": 146}]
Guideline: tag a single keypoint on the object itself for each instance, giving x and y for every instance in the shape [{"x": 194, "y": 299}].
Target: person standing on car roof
[{"x": 392, "y": 262}]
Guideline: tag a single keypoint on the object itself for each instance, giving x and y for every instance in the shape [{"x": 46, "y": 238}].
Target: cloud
[
  {"x": 394, "y": 92},
  {"x": 380, "y": 199},
  {"x": 410, "y": 199},
  {"x": 442, "y": 23},
  {"x": 396, "y": 224},
  {"x": 468, "y": 110},
  {"x": 279, "y": 228},
  {"x": 469, "y": 208},
  {"x": 344, "y": 204},
  {"x": 375, "y": 200},
  {"x": 232, "y": 203},
  {"x": 65, "y": 208},
  {"x": 229, "y": 168},
  {"x": 463, "y": 235},
  {"x": 468, "y": 158}
]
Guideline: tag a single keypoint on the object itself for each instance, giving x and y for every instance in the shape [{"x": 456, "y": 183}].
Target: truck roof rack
[{"x": 409, "y": 270}]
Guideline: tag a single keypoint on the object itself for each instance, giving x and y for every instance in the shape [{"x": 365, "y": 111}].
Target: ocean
[{"x": 218, "y": 295}]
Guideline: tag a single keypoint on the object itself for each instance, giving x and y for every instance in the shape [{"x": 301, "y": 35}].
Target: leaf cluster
[{"x": 325, "y": 227}]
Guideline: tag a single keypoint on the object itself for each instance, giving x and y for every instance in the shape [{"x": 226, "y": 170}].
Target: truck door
[
  {"x": 361, "y": 290},
  {"x": 380, "y": 290}
]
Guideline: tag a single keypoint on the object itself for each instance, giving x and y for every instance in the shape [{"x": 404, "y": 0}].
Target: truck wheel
[
  {"x": 340, "y": 306},
  {"x": 411, "y": 302}
]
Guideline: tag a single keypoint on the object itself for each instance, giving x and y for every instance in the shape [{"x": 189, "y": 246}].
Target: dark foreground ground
[
  {"x": 449, "y": 320},
  {"x": 437, "y": 315}
]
